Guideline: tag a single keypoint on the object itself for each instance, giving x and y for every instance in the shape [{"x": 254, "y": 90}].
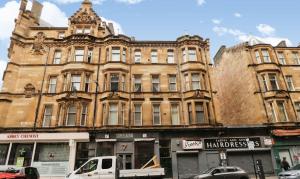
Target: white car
[
  {"x": 292, "y": 173},
  {"x": 228, "y": 172}
]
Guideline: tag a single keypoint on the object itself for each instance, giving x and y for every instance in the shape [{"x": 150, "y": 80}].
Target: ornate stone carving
[
  {"x": 38, "y": 44},
  {"x": 83, "y": 18},
  {"x": 29, "y": 90}
]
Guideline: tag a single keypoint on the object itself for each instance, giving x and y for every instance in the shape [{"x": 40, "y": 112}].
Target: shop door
[
  {"x": 246, "y": 161},
  {"x": 187, "y": 165},
  {"x": 126, "y": 161},
  {"x": 287, "y": 155},
  {"x": 21, "y": 154}
]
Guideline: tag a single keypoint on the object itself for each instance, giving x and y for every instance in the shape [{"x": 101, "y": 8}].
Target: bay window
[
  {"x": 75, "y": 82},
  {"x": 273, "y": 81},
  {"x": 266, "y": 56},
  {"x": 192, "y": 54},
  {"x": 79, "y": 55},
  {"x": 114, "y": 82},
  {"x": 71, "y": 115},
  {"x": 196, "y": 81},
  {"x": 115, "y": 54},
  {"x": 84, "y": 110}
]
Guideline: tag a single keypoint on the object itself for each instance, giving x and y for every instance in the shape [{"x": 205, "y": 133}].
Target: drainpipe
[
  {"x": 40, "y": 92},
  {"x": 96, "y": 91}
]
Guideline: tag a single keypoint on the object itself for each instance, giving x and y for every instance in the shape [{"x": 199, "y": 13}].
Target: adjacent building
[{"x": 258, "y": 85}]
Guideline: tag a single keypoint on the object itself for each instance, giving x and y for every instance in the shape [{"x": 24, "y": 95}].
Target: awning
[{"x": 281, "y": 132}]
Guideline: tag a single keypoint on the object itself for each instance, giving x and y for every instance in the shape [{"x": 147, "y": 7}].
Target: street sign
[{"x": 250, "y": 145}]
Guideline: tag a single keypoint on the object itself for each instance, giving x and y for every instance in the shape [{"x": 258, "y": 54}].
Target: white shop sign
[
  {"x": 52, "y": 168},
  {"x": 189, "y": 145},
  {"x": 83, "y": 136}
]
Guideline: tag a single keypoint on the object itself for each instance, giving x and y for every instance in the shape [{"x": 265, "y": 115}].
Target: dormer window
[{"x": 85, "y": 30}]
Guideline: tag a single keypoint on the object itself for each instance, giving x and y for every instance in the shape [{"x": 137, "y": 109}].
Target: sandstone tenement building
[{"x": 72, "y": 93}]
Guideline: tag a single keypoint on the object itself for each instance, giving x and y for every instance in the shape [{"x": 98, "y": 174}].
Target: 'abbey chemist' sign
[{"x": 189, "y": 145}]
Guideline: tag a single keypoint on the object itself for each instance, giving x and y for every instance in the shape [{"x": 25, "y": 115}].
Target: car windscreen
[{"x": 296, "y": 167}]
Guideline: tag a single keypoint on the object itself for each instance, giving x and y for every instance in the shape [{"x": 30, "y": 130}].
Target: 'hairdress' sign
[{"x": 231, "y": 143}]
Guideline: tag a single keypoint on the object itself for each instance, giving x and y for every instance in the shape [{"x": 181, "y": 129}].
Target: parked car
[
  {"x": 228, "y": 172},
  {"x": 20, "y": 173},
  {"x": 292, "y": 173}
]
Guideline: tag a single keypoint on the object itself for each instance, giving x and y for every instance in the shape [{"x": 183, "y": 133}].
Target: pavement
[{"x": 267, "y": 177}]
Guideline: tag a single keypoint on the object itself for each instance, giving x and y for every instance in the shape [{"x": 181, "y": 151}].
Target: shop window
[
  {"x": 47, "y": 115},
  {"x": 144, "y": 151},
  {"x": 155, "y": 83},
  {"x": 170, "y": 57},
  {"x": 84, "y": 151},
  {"x": 282, "y": 111},
  {"x": 90, "y": 55},
  {"x": 192, "y": 54},
  {"x": 199, "y": 112},
  {"x": 21, "y": 154},
  {"x": 124, "y": 55},
  {"x": 105, "y": 149},
  {"x": 56, "y": 152},
  {"x": 289, "y": 81},
  {"x": 156, "y": 114},
  {"x": 175, "y": 114},
  {"x": 137, "y": 83},
  {"x": 126, "y": 161},
  {"x": 114, "y": 82},
  {"x": 75, "y": 82},
  {"x": 281, "y": 58},
  {"x": 154, "y": 58},
  {"x": 137, "y": 114},
  {"x": 3, "y": 153},
  {"x": 84, "y": 111},
  {"x": 115, "y": 54},
  {"x": 257, "y": 56},
  {"x": 52, "y": 84},
  {"x": 137, "y": 56},
  {"x": 113, "y": 114},
  {"x": 79, "y": 54},
  {"x": 57, "y": 57},
  {"x": 87, "y": 83},
  {"x": 196, "y": 81},
  {"x": 71, "y": 116},
  {"x": 273, "y": 82},
  {"x": 172, "y": 82},
  {"x": 296, "y": 58}
]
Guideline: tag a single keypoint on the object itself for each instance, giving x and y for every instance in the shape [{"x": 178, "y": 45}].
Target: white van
[{"x": 108, "y": 167}]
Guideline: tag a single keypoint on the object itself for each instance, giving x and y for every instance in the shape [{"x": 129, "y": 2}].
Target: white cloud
[
  {"x": 8, "y": 13},
  {"x": 216, "y": 21},
  {"x": 117, "y": 27},
  {"x": 243, "y": 37},
  {"x": 57, "y": 17},
  {"x": 130, "y": 1},
  {"x": 2, "y": 68},
  {"x": 265, "y": 29},
  {"x": 220, "y": 30},
  {"x": 238, "y": 15},
  {"x": 201, "y": 2}
]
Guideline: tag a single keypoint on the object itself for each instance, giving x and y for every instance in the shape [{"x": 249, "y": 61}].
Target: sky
[{"x": 224, "y": 22}]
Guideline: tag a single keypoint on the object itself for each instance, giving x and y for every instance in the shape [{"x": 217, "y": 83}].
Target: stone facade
[
  {"x": 85, "y": 77},
  {"x": 257, "y": 84}
]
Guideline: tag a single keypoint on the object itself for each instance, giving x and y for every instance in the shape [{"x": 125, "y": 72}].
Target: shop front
[
  {"x": 190, "y": 156},
  {"x": 134, "y": 149},
  {"x": 53, "y": 154},
  {"x": 242, "y": 152},
  {"x": 286, "y": 144}
]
